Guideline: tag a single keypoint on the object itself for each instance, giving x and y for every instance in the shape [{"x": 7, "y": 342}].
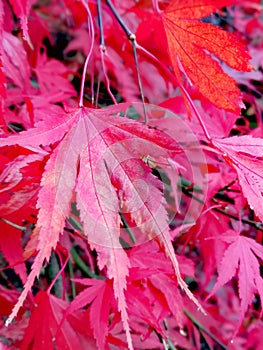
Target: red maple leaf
[
  {"x": 99, "y": 294},
  {"x": 48, "y": 327},
  {"x": 19, "y": 185},
  {"x": 188, "y": 41},
  {"x": 241, "y": 256},
  {"x": 11, "y": 247}
]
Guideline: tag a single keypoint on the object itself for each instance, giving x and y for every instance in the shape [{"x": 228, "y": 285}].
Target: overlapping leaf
[
  {"x": 244, "y": 153},
  {"x": 11, "y": 248},
  {"x": 14, "y": 60},
  {"x": 46, "y": 329},
  {"x": 188, "y": 41},
  {"x": 21, "y": 10},
  {"x": 241, "y": 255},
  {"x": 98, "y": 158},
  {"x": 99, "y": 294}
]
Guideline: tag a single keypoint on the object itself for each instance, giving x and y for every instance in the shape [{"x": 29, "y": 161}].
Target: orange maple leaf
[{"x": 189, "y": 42}]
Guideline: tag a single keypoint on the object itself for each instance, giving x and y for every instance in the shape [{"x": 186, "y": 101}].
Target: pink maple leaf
[
  {"x": 244, "y": 153},
  {"x": 240, "y": 257},
  {"x": 98, "y": 157}
]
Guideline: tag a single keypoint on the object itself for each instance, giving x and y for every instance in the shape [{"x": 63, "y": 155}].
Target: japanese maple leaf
[
  {"x": 100, "y": 297},
  {"x": 98, "y": 157},
  {"x": 148, "y": 262},
  {"x": 189, "y": 40},
  {"x": 244, "y": 153},
  {"x": 240, "y": 256},
  {"x": 141, "y": 307},
  {"x": 45, "y": 329}
]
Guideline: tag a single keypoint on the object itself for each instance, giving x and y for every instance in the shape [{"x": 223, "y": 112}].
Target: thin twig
[
  {"x": 102, "y": 54},
  {"x": 256, "y": 224},
  {"x": 102, "y": 42},
  {"x": 127, "y": 31},
  {"x": 58, "y": 275},
  {"x": 132, "y": 38},
  {"x": 204, "y": 329}
]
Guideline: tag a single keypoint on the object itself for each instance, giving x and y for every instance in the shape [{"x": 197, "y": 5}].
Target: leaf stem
[
  {"x": 89, "y": 54},
  {"x": 103, "y": 51},
  {"x": 183, "y": 89},
  {"x": 156, "y": 6},
  {"x": 102, "y": 54},
  {"x": 22, "y": 228},
  {"x": 58, "y": 275}
]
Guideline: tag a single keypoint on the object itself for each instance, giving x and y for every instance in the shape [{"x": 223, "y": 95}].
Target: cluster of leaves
[{"x": 133, "y": 225}]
